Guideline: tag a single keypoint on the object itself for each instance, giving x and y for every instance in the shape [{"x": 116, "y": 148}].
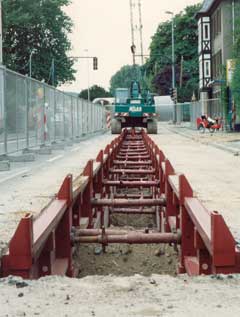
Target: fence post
[
  {"x": 5, "y": 111},
  {"x": 72, "y": 118},
  {"x": 64, "y": 132},
  {"x": 54, "y": 115},
  {"x": 27, "y": 112},
  {"x": 44, "y": 117}
]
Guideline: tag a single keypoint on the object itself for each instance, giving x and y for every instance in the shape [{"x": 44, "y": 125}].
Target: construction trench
[{"x": 128, "y": 201}]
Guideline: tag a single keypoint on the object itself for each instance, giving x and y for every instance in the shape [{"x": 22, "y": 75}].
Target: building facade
[{"x": 216, "y": 28}]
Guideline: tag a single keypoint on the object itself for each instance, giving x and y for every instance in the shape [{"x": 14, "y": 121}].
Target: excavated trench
[
  {"x": 128, "y": 259},
  {"x": 125, "y": 260}
]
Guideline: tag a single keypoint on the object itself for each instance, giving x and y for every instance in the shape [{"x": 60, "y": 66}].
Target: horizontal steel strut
[
  {"x": 128, "y": 202},
  {"x": 131, "y": 238},
  {"x": 132, "y": 171},
  {"x": 131, "y": 183}
]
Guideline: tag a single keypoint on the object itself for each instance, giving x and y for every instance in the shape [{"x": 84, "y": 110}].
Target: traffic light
[
  {"x": 173, "y": 94},
  {"x": 95, "y": 63},
  {"x": 133, "y": 49}
]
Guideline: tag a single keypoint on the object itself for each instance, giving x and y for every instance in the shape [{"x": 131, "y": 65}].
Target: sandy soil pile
[{"x": 112, "y": 296}]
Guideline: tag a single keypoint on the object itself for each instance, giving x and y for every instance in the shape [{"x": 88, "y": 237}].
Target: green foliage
[
  {"x": 95, "y": 92},
  {"x": 41, "y": 26},
  {"x": 235, "y": 84},
  {"x": 124, "y": 77},
  {"x": 186, "y": 45}
]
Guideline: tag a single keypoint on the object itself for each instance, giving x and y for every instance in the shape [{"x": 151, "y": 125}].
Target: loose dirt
[{"x": 126, "y": 260}]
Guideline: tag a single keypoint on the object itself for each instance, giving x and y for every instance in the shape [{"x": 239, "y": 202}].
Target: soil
[{"x": 126, "y": 260}]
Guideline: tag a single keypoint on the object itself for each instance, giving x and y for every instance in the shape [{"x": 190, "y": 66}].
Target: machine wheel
[
  {"x": 152, "y": 127},
  {"x": 116, "y": 126}
]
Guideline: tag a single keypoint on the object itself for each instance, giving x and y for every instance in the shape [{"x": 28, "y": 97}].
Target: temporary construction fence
[
  {"x": 34, "y": 114},
  {"x": 189, "y": 112}
]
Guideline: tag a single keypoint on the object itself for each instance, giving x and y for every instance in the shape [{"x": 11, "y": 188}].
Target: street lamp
[
  {"x": 173, "y": 50},
  {"x": 86, "y": 50},
  {"x": 173, "y": 65}
]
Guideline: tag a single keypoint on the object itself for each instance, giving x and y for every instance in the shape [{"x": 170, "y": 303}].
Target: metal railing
[{"x": 33, "y": 114}]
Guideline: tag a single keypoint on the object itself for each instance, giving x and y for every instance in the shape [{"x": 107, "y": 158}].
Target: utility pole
[
  {"x": 233, "y": 20},
  {"x": 181, "y": 72},
  {"x": 133, "y": 47},
  {"x": 88, "y": 76},
  {"x": 141, "y": 29},
  {"x": 173, "y": 64}
]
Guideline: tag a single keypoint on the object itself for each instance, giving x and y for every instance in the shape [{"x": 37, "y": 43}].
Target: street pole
[
  {"x": 173, "y": 56},
  {"x": 233, "y": 20},
  {"x": 30, "y": 64},
  {"x": 173, "y": 63},
  {"x": 173, "y": 51},
  {"x": 88, "y": 72}
]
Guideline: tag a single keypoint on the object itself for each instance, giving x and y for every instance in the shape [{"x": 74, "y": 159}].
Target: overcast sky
[{"x": 103, "y": 28}]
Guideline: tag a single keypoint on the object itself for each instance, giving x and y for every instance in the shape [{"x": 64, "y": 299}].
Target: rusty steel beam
[
  {"x": 132, "y": 171},
  {"x": 96, "y": 232},
  {"x": 135, "y": 163},
  {"x": 128, "y": 202},
  {"x": 133, "y": 153},
  {"x": 131, "y": 183},
  {"x": 133, "y": 149},
  {"x": 132, "y": 211},
  {"x": 136, "y": 178},
  {"x": 131, "y": 238},
  {"x": 133, "y": 196},
  {"x": 137, "y": 157}
]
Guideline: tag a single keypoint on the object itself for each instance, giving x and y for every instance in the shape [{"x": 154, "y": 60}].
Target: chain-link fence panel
[
  {"x": 33, "y": 114},
  {"x": 214, "y": 107},
  {"x": 75, "y": 117},
  {"x": 85, "y": 117},
  {"x": 16, "y": 112},
  {"x": 195, "y": 112},
  {"x": 59, "y": 116},
  {"x": 36, "y": 112},
  {"x": 49, "y": 115},
  {"x": 80, "y": 116},
  {"x": 67, "y": 117},
  {"x": 2, "y": 113},
  {"x": 183, "y": 112}
]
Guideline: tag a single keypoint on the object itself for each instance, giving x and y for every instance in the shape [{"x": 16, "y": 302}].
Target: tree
[
  {"x": 95, "y": 92},
  {"x": 158, "y": 66},
  {"x": 40, "y": 27},
  {"x": 124, "y": 77},
  {"x": 235, "y": 84}
]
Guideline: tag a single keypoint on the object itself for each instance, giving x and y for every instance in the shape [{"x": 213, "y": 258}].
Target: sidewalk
[
  {"x": 213, "y": 173},
  {"x": 226, "y": 141}
]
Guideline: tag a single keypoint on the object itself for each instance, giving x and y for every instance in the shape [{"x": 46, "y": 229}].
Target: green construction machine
[{"x": 134, "y": 109}]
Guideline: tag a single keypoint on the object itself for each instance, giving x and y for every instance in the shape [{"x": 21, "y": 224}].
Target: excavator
[{"x": 133, "y": 109}]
